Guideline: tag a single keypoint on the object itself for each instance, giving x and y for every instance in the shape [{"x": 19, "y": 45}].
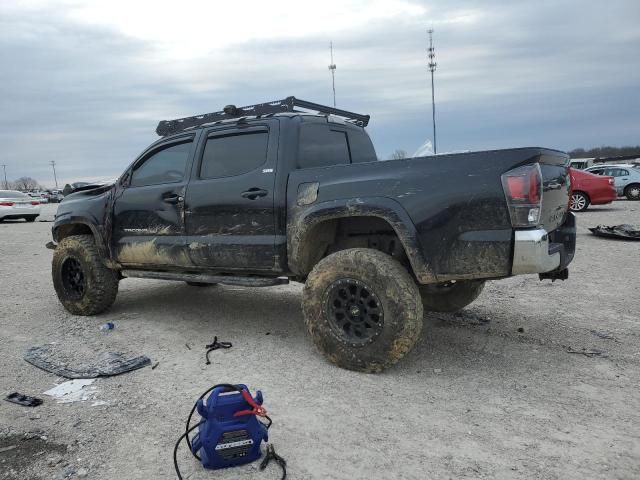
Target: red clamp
[{"x": 256, "y": 409}]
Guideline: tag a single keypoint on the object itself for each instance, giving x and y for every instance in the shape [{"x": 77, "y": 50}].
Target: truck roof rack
[{"x": 169, "y": 127}]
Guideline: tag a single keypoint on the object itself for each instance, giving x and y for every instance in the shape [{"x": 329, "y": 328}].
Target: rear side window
[
  {"x": 164, "y": 166},
  {"x": 320, "y": 146},
  {"x": 230, "y": 155}
]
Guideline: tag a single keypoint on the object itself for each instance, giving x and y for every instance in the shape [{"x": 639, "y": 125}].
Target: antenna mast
[
  {"x": 432, "y": 68},
  {"x": 332, "y": 67}
]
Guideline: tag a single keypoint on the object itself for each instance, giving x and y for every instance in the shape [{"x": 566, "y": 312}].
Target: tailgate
[{"x": 556, "y": 186}]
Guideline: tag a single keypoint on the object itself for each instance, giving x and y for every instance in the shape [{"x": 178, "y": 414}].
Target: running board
[{"x": 205, "y": 278}]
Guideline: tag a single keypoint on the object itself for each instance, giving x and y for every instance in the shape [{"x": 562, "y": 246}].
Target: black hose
[{"x": 175, "y": 449}]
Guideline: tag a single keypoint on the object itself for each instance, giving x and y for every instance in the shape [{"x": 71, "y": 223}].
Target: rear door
[
  {"x": 148, "y": 213},
  {"x": 620, "y": 178},
  {"x": 230, "y": 217}
]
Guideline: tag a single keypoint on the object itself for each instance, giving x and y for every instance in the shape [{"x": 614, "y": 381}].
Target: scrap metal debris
[
  {"x": 622, "y": 232},
  {"x": 24, "y": 400},
  {"x": 594, "y": 352},
  {"x": 83, "y": 364},
  {"x": 73, "y": 391}
]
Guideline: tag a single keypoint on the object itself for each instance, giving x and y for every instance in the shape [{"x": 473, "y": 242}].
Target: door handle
[
  {"x": 173, "y": 199},
  {"x": 254, "y": 193}
]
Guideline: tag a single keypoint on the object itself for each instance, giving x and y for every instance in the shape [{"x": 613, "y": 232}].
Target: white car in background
[
  {"x": 14, "y": 204},
  {"x": 626, "y": 178}
]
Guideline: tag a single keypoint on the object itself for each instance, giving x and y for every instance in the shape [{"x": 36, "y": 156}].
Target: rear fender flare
[{"x": 302, "y": 221}]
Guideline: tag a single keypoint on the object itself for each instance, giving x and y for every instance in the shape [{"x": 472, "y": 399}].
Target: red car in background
[{"x": 588, "y": 189}]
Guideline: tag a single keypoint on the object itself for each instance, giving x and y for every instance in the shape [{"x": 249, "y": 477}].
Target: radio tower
[
  {"x": 432, "y": 68},
  {"x": 332, "y": 67}
]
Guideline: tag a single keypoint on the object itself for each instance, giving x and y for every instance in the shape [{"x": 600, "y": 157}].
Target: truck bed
[{"x": 455, "y": 202}]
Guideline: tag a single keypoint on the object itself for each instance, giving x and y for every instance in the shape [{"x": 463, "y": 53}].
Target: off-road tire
[
  {"x": 31, "y": 218},
  {"x": 101, "y": 283},
  {"x": 632, "y": 192},
  {"x": 450, "y": 297},
  {"x": 200, "y": 284},
  {"x": 398, "y": 296},
  {"x": 579, "y": 202}
]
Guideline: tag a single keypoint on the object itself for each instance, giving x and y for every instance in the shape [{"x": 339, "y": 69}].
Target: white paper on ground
[{"x": 73, "y": 390}]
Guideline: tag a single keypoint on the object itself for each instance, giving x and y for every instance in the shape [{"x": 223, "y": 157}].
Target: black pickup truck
[{"x": 292, "y": 190}]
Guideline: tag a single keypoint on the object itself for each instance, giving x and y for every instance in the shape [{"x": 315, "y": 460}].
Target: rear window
[
  {"x": 321, "y": 146},
  {"x": 11, "y": 194},
  {"x": 361, "y": 147}
]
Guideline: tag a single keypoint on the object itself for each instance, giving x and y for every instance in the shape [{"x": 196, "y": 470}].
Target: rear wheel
[
  {"x": 450, "y": 297},
  {"x": 579, "y": 202},
  {"x": 84, "y": 285},
  {"x": 31, "y": 218},
  {"x": 632, "y": 192},
  {"x": 362, "y": 309}
]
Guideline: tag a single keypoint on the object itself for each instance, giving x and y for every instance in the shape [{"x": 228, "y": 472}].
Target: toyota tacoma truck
[{"x": 293, "y": 190}]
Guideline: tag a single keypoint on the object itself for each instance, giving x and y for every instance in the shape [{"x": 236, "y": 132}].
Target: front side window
[
  {"x": 320, "y": 146},
  {"x": 164, "y": 166},
  {"x": 235, "y": 154}
]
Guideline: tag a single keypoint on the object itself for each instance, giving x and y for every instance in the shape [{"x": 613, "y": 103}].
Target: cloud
[{"x": 85, "y": 83}]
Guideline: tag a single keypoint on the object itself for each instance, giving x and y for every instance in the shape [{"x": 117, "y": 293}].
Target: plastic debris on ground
[
  {"x": 81, "y": 362},
  {"x": 73, "y": 391},
  {"x": 24, "y": 400},
  {"x": 622, "y": 232}
]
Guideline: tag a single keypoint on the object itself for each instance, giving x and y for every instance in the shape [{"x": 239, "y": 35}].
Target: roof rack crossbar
[{"x": 169, "y": 127}]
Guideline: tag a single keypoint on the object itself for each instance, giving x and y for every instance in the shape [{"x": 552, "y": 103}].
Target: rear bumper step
[{"x": 205, "y": 278}]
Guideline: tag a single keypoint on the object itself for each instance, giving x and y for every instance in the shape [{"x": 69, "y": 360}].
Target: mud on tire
[
  {"x": 362, "y": 309},
  {"x": 450, "y": 297},
  {"x": 84, "y": 285}
]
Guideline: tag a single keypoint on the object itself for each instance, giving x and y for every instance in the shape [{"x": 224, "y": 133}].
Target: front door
[
  {"x": 148, "y": 213},
  {"x": 230, "y": 217}
]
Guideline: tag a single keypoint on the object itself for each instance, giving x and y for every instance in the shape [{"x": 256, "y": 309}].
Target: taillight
[
  {"x": 523, "y": 189},
  {"x": 7, "y": 204},
  {"x": 35, "y": 203}
]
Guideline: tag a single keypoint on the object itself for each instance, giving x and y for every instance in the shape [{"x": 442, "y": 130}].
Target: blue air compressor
[{"x": 229, "y": 432}]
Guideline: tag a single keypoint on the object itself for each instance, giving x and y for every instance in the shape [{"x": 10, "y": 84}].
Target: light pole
[
  {"x": 6, "y": 184},
  {"x": 432, "y": 68},
  {"x": 53, "y": 165}
]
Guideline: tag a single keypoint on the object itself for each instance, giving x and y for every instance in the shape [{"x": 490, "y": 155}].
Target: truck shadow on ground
[{"x": 465, "y": 340}]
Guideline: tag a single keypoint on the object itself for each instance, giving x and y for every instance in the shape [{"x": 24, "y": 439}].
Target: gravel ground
[{"x": 491, "y": 392}]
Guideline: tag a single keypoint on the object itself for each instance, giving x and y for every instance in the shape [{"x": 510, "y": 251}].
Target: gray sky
[{"x": 85, "y": 83}]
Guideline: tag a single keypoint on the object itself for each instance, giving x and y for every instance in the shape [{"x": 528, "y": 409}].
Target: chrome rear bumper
[{"x": 534, "y": 251}]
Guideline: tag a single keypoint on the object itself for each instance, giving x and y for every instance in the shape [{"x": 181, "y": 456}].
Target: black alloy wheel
[
  {"x": 73, "y": 278},
  {"x": 354, "y": 312}
]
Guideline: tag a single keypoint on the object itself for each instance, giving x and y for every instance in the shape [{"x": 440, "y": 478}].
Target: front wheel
[
  {"x": 579, "y": 202},
  {"x": 450, "y": 297},
  {"x": 362, "y": 309},
  {"x": 632, "y": 192},
  {"x": 83, "y": 283}
]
